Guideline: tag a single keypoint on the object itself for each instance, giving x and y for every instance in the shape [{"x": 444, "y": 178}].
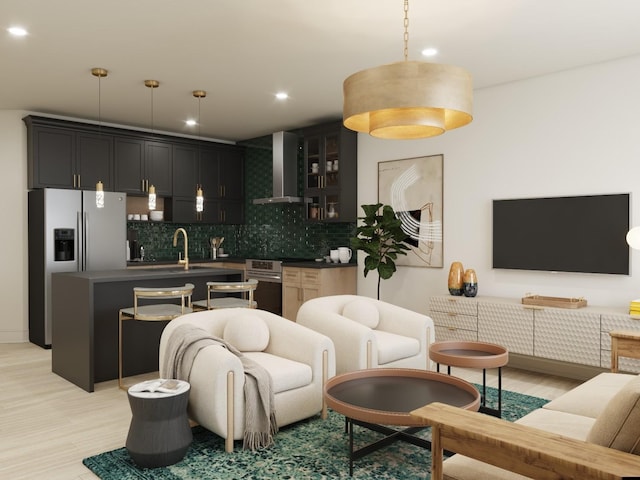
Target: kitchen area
[{"x": 280, "y": 233}]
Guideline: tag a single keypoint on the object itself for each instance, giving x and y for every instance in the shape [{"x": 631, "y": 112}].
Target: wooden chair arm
[{"x": 520, "y": 448}]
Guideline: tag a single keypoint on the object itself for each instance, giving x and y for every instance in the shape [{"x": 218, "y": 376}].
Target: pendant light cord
[{"x": 406, "y": 30}]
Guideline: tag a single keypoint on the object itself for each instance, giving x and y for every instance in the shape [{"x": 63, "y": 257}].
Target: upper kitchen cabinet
[
  {"x": 231, "y": 173},
  {"x": 60, "y": 155},
  {"x": 331, "y": 167},
  {"x": 219, "y": 171},
  {"x": 140, "y": 163}
]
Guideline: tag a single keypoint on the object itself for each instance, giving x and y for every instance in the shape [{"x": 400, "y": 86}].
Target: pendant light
[
  {"x": 151, "y": 84},
  {"x": 199, "y": 94},
  {"x": 99, "y": 72},
  {"x": 407, "y": 100}
]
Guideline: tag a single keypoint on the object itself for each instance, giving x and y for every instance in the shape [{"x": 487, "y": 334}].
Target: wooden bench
[{"x": 519, "y": 448}]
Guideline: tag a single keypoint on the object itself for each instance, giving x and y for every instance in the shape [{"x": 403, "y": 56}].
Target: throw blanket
[{"x": 183, "y": 346}]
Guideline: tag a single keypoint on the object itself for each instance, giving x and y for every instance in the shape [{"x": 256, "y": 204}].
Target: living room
[{"x": 570, "y": 132}]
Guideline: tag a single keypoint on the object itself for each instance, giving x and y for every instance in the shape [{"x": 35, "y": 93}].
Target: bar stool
[
  {"x": 155, "y": 312},
  {"x": 246, "y": 301}
]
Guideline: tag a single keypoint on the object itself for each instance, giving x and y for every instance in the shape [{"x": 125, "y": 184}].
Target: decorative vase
[
  {"x": 456, "y": 274},
  {"x": 470, "y": 284}
]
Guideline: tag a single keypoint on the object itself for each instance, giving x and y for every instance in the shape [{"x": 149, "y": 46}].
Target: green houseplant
[{"x": 381, "y": 237}]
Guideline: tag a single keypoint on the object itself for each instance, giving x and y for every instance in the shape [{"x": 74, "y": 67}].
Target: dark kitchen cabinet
[
  {"x": 219, "y": 171},
  {"x": 330, "y": 169},
  {"x": 61, "y": 157},
  {"x": 140, "y": 163},
  {"x": 65, "y": 154},
  {"x": 231, "y": 174}
]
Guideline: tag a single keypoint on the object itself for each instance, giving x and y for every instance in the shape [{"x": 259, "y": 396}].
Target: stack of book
[{"x": 634, "y": 307}]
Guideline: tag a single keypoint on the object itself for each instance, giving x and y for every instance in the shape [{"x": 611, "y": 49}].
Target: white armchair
[
  {"x": 369, "y": 333},
  {"x": 298, "y": 359}
]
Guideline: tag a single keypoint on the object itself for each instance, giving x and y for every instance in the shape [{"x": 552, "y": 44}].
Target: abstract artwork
[{"x": 413, "y": 187}]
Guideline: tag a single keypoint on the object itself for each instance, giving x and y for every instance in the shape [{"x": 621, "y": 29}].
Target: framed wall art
[{"x": 413, "y": 187}]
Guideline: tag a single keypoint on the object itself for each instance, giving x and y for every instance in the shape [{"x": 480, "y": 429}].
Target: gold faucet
[{"x": 184, "y": 261}]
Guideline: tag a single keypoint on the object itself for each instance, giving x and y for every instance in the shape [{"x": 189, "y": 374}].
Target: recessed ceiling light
[
  {"x": 282, "y": 95},
  {"x": 429, "y": 52},
  {"x": 191, "y": 123},
  {"x": 17, "y": 31}
]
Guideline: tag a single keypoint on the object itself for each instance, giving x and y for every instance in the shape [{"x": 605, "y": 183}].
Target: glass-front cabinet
[{"x": 330, "y": 153}]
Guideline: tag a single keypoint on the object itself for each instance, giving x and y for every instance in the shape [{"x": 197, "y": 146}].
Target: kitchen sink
[{"x": 175, "y": 269}]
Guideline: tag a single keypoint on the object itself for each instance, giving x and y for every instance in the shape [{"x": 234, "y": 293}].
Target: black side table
[{"x": 159, "y": 434}]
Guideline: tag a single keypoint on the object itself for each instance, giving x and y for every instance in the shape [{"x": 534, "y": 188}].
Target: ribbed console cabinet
[{"x": 569, "y": 342}]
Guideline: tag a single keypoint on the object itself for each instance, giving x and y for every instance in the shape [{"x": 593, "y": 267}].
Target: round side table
[
  {"x": 471, "y": 354},
  {"x": 159, "y": 434}
]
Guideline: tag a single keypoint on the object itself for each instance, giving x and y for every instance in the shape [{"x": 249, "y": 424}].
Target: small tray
[{"x": 559, "y": 302}]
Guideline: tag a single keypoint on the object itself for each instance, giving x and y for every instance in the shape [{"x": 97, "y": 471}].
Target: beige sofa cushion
[
  {"x": 392, "y": 347},
  {"x": 618, "y": 426},
  {"x": 247, "y": 332},
  {"x": 591, "y": 397},
  {"x": 363, "y": 312},
  {"x": 286, "y": 374}
]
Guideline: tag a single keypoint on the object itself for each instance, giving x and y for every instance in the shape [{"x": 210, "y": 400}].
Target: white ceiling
[{"x": 243, "y": 51}]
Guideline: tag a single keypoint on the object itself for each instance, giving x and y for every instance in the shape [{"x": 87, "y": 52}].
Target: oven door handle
[{"x": 265, "y": 278}]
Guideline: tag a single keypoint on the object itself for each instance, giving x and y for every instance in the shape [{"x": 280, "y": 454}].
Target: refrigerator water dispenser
[{"x": 64, "y": 244}]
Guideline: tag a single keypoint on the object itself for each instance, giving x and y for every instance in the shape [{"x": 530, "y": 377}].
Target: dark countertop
[
  {"x": 302, "y": 263},
  {"x": 127, "y": 274},
  {"x": 314, "y": 264}
]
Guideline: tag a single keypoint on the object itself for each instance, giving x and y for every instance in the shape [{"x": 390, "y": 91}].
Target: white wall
[
  {"x": 570, "y": 133},
  {"x": 13, "y": 218}
]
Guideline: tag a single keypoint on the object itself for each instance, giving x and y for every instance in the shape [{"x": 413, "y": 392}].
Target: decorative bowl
[{"x": 156, "y": 215}]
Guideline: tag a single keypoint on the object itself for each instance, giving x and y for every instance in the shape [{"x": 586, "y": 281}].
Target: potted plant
[{"x": 381, "y": 237}]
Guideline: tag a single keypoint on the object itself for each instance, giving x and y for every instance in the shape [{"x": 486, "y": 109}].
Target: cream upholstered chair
[
  {"x": 369, "y": 333},
  {"x": 153, "y": 312},
  {"x": 298, "y": 359},
  {"x": 246, "y": 288}
]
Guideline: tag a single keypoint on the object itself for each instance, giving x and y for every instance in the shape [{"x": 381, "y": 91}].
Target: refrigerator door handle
[
  {"x": 85, "y": 241},
  {"x": 78, "y": 241}
]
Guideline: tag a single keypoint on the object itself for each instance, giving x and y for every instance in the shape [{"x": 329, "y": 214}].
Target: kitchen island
[{"x": 85, "y": 310}]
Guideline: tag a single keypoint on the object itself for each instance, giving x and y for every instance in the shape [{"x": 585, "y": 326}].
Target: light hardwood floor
[{"x": 48, "y": 425}]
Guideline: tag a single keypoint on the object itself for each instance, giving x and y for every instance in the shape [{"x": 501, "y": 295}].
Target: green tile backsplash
[{"x": 269, "y": 231}]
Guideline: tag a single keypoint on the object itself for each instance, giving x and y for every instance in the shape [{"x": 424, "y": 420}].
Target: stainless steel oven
[{"x": 268, "y": 295}]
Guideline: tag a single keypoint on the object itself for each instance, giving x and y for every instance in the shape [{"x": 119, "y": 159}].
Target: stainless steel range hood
[{"x": 285, "y": 171}]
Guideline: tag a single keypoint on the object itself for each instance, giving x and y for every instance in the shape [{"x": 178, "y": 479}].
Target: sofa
[
  {"x": 298, "y": 360},
  {"x": 592, "y": 431},
  {"x": 369, "y": 333}
]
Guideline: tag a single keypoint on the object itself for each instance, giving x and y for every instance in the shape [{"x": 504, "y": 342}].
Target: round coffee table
[
  {"x": 374, "y": 398},
  {"x": 473, "y": 355}
]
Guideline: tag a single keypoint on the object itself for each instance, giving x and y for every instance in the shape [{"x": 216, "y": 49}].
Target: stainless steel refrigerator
[{"x": 69, "y": 233}]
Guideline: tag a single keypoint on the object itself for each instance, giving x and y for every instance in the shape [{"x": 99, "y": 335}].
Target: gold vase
[
  {"x": 470, "y": 283},
  {"x": 456, "y": 279}
]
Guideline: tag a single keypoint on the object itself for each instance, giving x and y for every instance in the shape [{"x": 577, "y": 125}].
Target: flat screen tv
[{"x": 564, "y": 234}]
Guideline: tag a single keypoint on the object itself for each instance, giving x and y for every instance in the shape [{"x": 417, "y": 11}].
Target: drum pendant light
[
  {"x": 151, "y": 84},
  {"x": 199, "y": 94},
  {"x": 407, "y": 100},
  {"x": 99, "y": 72}
]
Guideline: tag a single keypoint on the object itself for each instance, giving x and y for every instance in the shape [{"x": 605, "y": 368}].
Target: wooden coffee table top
[
  {"x": 469, "y": 354},
  {"x": 386, "y": 396}
]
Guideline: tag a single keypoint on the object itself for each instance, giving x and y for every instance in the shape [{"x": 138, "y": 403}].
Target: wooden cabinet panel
[{"x": 302, "y": 284}]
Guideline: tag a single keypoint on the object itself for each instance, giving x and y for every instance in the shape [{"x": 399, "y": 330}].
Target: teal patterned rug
[{"x": 313, "y": 449}]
